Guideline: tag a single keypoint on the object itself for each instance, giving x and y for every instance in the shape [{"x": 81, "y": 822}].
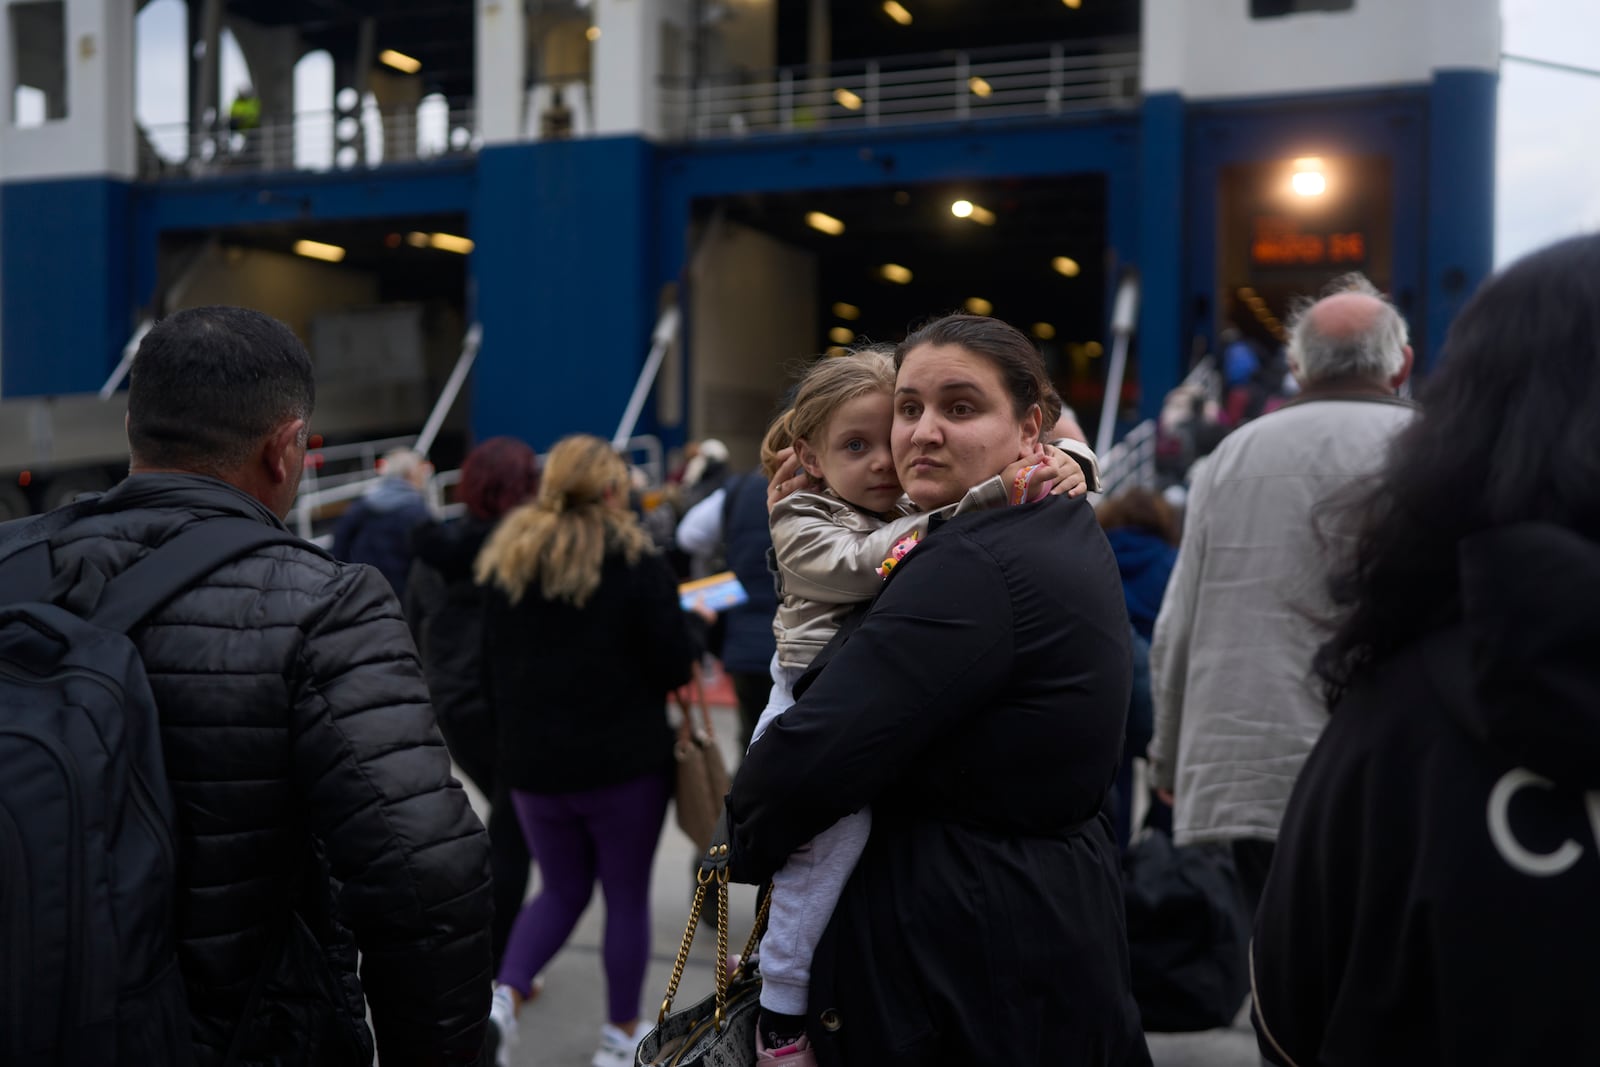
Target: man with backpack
[{"x": 204, "y": 821}]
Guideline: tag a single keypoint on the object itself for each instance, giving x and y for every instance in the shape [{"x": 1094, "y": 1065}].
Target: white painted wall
[
  {"x": 640, "y": 42},
  {"x": 501, "y": 69},
  {"x": 627, "y": 64},
  {"x": 754, "y": 320},
  {"x": 97, "y": 136},
  {"x": 1214, "y": 49}
]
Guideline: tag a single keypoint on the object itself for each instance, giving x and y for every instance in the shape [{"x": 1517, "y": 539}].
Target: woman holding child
[{"x": 978, "y": 710}]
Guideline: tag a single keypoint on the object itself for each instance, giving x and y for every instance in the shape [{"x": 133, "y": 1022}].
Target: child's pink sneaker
[{"x": 799, "y": 1054}]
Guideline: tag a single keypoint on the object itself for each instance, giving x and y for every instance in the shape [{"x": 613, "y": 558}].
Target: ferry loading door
[{"x": 1287, "y": 228}]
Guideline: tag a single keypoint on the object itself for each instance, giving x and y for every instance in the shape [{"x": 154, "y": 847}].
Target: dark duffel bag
[{"x": 1187, "y": 938}]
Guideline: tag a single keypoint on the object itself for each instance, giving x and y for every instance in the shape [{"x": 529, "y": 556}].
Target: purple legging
[{"x": 610, "y": 833}]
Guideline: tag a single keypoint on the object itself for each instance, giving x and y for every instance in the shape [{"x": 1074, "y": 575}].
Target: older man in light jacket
[{"x": 1237, "y": 706}]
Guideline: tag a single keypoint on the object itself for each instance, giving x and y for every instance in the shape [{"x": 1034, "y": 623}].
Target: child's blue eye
[{"x": 857, "y": 445}]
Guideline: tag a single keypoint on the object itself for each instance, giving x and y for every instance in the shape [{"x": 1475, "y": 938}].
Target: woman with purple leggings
[{"x": 584, "y": 638}]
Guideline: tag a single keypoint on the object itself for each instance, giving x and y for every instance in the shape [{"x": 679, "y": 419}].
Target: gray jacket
[{"x": 1237, "y": 708}]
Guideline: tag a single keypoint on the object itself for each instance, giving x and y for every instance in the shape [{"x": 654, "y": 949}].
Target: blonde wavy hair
[
  {"x": 561, "y": 537},
  {"x": 827, "y": 384}
]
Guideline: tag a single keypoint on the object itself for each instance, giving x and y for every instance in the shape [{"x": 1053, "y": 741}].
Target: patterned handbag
[{"x": 719, "y": 1031}]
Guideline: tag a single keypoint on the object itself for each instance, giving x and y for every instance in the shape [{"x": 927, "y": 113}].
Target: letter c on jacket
[{"x": 1540, "y": 865}]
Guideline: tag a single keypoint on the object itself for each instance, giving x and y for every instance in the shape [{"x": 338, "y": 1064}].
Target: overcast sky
[
  {"x": 1548, "y": 175},
  {"x": 1548, "y": 180}
]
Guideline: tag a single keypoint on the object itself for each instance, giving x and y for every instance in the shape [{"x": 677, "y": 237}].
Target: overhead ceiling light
[
  {"x": 979, "y": 86},
  {"x": 1043, "y": 331},
  {"x": 978, "y": 305},
  {"x": 838, "y": 350},
  {"x": 1094, "y": 350},
  {"x": 829, "y": 225},
  {"x": 894, "y": 272},
  {"x": 399, "y": 61},
  {"x": 846, "y": 99},
  {"x": 1309, "y": 183},
  {"x": 593, "y": 33},
  {"x": 966, "y": 209},
  {"x": 1074, "y": 4},
  {"x": 317, "y": 250},
  {"x": 848, "y": 312},
  {"x": 1065, "y": 265},
  {"x": 897, "y": 12},
  {"x": 449, "y": 242},
  {"x": 1308, "y": 179},
  {"x": 841, "y": 335},
  {"x": 417, "y": 240}
]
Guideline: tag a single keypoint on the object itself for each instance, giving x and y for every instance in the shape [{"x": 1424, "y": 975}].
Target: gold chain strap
[
  {"x": 722, "y": 943},
  {"x": 704, "y": 879}
]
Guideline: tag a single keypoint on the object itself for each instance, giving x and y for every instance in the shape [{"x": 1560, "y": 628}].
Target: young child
[{"x": 834, "y": 544}]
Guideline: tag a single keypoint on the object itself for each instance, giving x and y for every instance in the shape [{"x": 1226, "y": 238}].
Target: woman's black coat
[
  {"x": 979, "y": 710},
  {"x": 579, "y": 694}
]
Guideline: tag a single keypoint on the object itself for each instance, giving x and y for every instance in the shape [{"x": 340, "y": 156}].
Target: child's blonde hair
[
  {"x": 560, "y": 539},
  {"x": 827, "y": 384}
]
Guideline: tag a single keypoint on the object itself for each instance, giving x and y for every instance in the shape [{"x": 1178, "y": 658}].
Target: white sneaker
[
  {"x": 616, "y": 1049},
  {"x": 502, "y": 1025}
]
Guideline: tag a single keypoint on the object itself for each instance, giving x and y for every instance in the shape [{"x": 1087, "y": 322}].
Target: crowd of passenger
[{"x": 1030, "y": 771}]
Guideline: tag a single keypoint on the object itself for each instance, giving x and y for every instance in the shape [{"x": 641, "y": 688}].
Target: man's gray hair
[{"x": 1376, "y": 353}]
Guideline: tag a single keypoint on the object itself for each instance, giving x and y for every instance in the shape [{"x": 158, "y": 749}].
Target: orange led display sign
[{"x": 1280, "y": 242}]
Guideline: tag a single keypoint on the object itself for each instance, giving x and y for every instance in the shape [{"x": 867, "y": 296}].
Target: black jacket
[
  {"x": 306, "y": 771},
  {"x": 445, "y": 609},
  {"x": 1433, "y": 895},
  {"x": 748, "y": 642},
  {"x": 579, "y": 694},
  {"x": 376, "y": 530},
  {"x": 979, "y": 709}
]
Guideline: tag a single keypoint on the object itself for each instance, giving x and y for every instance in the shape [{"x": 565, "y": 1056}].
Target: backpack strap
[
  {"x": 25, "y": 564},
  {"x": 25, "y": 574},
  {"x": 149, "y": 584}
]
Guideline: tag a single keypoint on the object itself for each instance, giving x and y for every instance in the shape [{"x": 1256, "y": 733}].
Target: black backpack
[{"x": 88, "y": 864}]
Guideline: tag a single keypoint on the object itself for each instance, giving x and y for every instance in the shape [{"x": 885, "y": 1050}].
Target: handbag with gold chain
[{"x": 720, "y": 1030}]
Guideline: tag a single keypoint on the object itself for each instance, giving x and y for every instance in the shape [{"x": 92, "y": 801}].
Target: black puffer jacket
[{"x": 306, "y": 768}]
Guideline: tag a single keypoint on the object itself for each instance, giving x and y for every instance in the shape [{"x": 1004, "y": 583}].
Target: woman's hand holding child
[
  {"x": 1047, "y": 471},
  {"x": 787, "y": 479}
]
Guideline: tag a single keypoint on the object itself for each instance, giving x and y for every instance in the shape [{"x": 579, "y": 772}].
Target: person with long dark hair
[{"x": 1433, "y": 895}]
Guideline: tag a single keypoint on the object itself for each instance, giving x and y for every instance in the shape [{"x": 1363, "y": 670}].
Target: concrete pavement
[{"x": 562, "y": 1027}]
